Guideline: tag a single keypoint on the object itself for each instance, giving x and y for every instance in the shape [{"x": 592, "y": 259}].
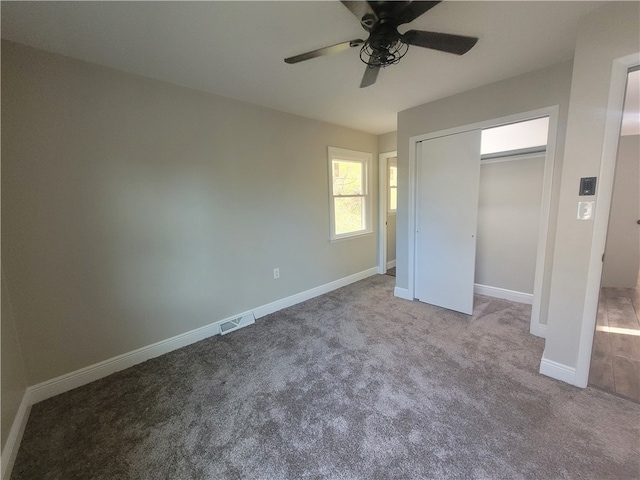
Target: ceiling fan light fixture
[{"x": 383, "y": 56}]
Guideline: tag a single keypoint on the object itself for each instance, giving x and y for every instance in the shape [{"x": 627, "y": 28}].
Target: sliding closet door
[{"x": 448, "y": 173}]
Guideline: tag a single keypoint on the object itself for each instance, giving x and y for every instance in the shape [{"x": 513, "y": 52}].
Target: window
[
  {"x": 350, "y": 205},
  {"x": 393, "y": 186}
]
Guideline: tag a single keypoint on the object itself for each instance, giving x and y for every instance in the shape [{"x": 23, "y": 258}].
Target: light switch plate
[{"x": 585, "y": 210}]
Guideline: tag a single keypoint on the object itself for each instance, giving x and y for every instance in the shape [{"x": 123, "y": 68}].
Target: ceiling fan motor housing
[{"x": 384, "y": 46}]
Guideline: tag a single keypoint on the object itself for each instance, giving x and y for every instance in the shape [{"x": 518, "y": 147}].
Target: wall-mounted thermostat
[{"x": 588, "y": 186}]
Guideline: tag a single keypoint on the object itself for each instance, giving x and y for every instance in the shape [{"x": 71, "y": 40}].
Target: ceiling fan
[{"x": 385, "y": 45}]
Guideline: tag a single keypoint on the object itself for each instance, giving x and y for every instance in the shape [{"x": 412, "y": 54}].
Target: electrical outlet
[{"x": 276, "y": 273}]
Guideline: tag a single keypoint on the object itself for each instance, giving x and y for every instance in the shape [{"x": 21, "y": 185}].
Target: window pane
[
  {"x": 393, "y": 175},
  {"x": 347, "y": 178},
  {"x": 393, "y": 199},
  {"x": 349, "y": 214},
  {"x": 348, "y": 186}
]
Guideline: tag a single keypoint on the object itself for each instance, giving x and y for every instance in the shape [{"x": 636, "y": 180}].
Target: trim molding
[
  {"x": 78, "y": 378},
  {"x": 559, "y": 371},
  {"x": 391, "y": 264},
  {"x": 497, "y": 292},
  {"x": 311, "y": 293},
  {"x": 10, "y": 451},
  {"x": 64, "y": 383},
  {"x": 402, "y": 293},
  {"x": 539, "y": 330}
]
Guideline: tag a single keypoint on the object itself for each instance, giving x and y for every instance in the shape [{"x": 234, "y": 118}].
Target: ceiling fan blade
[
  {"x": 445, "y": 42},
  {"x": 370, "y": 76},
  {"x": 413, "y": 11},
  {"x": 338, "y": 47},
  {"x": 363, "y": 11}
]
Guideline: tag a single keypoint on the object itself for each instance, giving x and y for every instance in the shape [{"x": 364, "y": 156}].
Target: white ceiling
[{"x": 236, "y": 49}]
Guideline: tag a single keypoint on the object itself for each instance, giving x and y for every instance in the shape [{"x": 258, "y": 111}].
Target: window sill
[{"x": 351, "y": 236}]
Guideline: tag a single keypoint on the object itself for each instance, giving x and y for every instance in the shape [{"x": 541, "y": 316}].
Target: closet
[{"x": 479, "y": 198}]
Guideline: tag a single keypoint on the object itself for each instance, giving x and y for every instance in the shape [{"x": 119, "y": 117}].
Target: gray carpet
[{"x": 355, "y": 384}]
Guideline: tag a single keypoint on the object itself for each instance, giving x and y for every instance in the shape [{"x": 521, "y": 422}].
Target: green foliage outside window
[{"x": 349, "y": 185}]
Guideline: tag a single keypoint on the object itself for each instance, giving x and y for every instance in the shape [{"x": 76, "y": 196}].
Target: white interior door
[{"x": 448, "y": 176}]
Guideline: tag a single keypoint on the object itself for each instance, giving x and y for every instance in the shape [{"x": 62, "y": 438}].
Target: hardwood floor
[{"x": 615, "y": 361}]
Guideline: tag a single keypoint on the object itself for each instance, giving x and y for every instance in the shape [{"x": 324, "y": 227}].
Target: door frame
[
  {"x": 543, "y": 259},
  {"x": 613, "y": 123},
  {"x": 383, "y": 166}
]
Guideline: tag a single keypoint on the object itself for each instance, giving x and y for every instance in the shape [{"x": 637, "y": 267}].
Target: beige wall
[
  {"x": 14, "y": 377},
  {"x": 611, "y": 32},
  {"x": 509, "y": 204},
  {"x": 388, "y": 142},
  {"x": 134, "y": 210},
  {"x": 538, "y": 89},
  {"x": 622, "y": 254}
]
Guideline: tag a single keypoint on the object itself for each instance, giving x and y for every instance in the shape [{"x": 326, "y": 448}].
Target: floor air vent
[{"x": 230, "y": 325}]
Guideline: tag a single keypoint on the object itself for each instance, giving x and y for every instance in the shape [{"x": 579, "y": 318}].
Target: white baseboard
[
  {"x": 314, "y": 292},
  {"x": 391, "y": 264},
  {"x": 559, "y": 371},
  {"x": 538, "y": 329},
  {"x": 402, "y": 293},
  {"x": 496, "y": 292},
  {"x": 10, "y": 450},
  {"x": 78, "y": 378}
]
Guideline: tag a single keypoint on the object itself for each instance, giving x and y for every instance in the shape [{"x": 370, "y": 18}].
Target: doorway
[
  {"x": 615, "y": 356},
  {"x": 510, "y": 201},
  {"x": 387, "y": 209}
]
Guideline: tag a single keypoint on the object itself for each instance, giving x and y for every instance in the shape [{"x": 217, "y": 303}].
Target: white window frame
[
  {"x": 366, "y": 160},
  {"x": 391, "y": 211}
]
